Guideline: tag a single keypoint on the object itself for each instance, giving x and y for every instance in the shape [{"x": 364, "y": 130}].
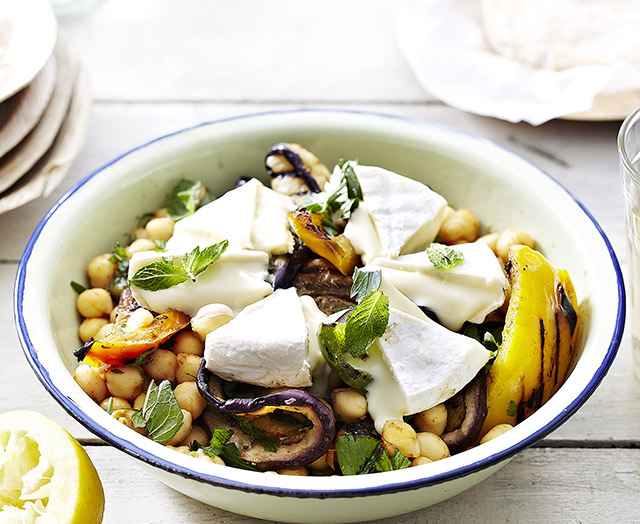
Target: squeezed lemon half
[{"x": 46, "y": 476}]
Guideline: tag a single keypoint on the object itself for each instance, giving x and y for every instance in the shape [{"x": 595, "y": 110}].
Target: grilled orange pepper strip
[{"x": 119, "y": 347}]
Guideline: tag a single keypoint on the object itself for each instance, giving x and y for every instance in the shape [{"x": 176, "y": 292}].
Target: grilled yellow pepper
[
  {"x": 537, "y": 341},
  {"x": 336, "y": 249}
]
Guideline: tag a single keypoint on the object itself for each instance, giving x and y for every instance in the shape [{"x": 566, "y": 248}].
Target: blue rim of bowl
[{"x": 389, "y": 487}]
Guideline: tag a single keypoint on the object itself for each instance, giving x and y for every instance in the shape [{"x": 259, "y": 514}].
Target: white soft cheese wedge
[
  {"x": 267, "y": 344},
  {"x": 237, "y": 279},
  {"x": 415, "y": 365},
  {"x": 467, "y": 292},
  {"x": 404, "y": 215},
  {"x": 251, "y": 216}
]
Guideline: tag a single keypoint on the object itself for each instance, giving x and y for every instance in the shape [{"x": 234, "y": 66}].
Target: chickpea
[
  {"x": 104, "y": 330},
  {"x": 189, "y": 398},
  {"x": 397, "y": 434},
  {"x": 209, "y": 318},
  {"x": 141, "y": 317},
  {"x": 90, "y": 327},
  {"x": 512, "y": 237},
  {"x": 160, "y": 212},
  {"x": 187, "y": 367},
  {"x": 159, "y": 229},
  {"x": 162, "y": 365},
  {"x": 491, "y": 239},
  {"x": 139, "y": 233},
  {"x": 496, "y": 431},
  {"x": 184, "y": 430},
  {"x": 197, "y": 434},
  {"x": 420, "y": 461},
  {"x": 124, "y": 416},
  {"x": 350, "y": 404},
  {"x": 114, "y": 404},
  {"x": 138, "y": 402},
  {"x": 320, "y": 464},
  {"x": 459, "y": 226},
  {"x": 142, "y": 244},
  {"x": 126, "y": 382},
  {"x": 91, "y": 381},
  {"x": 433, "y": 420},
  {"x": 113, "y": 314},
  {"x": 94, "y": 303},
  {"x": 100, "y": 270},
  {"x": 181, "y": 449},
  {"x": 203, "y": 456},
  {"x": 298, "y": 472},
  {"x": 432, "y": 446},
  {"x": 188, "y": 342}
]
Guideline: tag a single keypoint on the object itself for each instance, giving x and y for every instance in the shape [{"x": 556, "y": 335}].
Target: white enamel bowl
[{"x": 502, "y": 188}]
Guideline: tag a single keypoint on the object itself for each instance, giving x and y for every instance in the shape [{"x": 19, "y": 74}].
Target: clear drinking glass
[{"x": 629, "y": 154}]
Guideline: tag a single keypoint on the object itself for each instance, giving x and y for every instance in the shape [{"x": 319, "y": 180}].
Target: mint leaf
[
  {"x": 354, "y": 453},
  {"x": 164, "y": 274},
  {"x": 331, "y": 338},
  {"x": 197, "y": 261},
  {"x": 443, "y": 257},
  {"x": 227, "y": 451},
  {"x": 159, "y": 275},
  {"x": 399, "y": 461},
  {"x": 354, "y": 191},
  {"x": 512, "y": 409},
  {"x": 256, "y": 434},
  {"x": 364, "y": 282},
  {"x": 184, "y": 199},
  {"x": 161, "y": 412},
  {"x": 78, "y": 288},
  {"x": 366, "y": 323}
]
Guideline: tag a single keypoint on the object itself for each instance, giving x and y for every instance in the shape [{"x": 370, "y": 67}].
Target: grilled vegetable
[
  {"x": 537, "y": 341},
  {"x": 466, "y": 412},
  {"x": 303, "y": 426},
  {"x": 336, "y": 249},
  {"x": 295, "y": 170},
  {"x": 119, "y": 347}
]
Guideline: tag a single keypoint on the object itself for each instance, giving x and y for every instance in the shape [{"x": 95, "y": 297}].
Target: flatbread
[{"x": 560, "y": 34}]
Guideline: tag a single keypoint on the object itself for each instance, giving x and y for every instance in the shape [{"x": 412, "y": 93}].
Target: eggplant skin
[
  {"x": 315, "y": 438},
  {"x": 474, "y": 399}
]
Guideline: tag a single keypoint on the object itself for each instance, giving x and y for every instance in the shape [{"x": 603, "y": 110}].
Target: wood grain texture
[
  {"x": 237, "y": 51},
  {"x": 538, "y": 486}
]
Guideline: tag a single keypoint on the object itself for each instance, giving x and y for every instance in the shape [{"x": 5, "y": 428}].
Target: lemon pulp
[{"x": 46, "y": 477}]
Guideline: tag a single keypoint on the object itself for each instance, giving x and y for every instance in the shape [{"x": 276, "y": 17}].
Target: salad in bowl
[
  {"x": 378, "y": 304},
  {"x": 338, "y": 322}
]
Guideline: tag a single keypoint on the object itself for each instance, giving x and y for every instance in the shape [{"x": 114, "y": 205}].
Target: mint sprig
[
  {"x": 366, "y": 323},
  {"x": 444, "y": 257},
  {"x": 164, "y": 274},
  {"x": 340, "y": 197},
  {"x": 161, "y": 414},
  {"x": 184, "y": 199},
  {"x": 364, "y": 282},
  {"x": 227, "y": 451}
]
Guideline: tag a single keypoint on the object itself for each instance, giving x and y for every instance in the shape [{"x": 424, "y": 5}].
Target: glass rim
[{"x": 629, "y": 121}]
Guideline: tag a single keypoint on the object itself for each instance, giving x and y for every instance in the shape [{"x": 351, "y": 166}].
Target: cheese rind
[
  {"x": 417, "y": 364},
  {"x": 406, "y": 214},
  {"x": 267, "y": 344},
  {"x": 237, "y": 279},
  {"x": 467, "y": 292},
  {"x": 251, "y": 216}
]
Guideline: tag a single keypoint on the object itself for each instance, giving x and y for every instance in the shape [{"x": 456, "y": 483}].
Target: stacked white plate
[{"x": 45, "y": 102}]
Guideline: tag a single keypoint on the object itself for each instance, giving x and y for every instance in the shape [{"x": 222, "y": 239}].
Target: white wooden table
[{"x": 158, "y": 66}]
